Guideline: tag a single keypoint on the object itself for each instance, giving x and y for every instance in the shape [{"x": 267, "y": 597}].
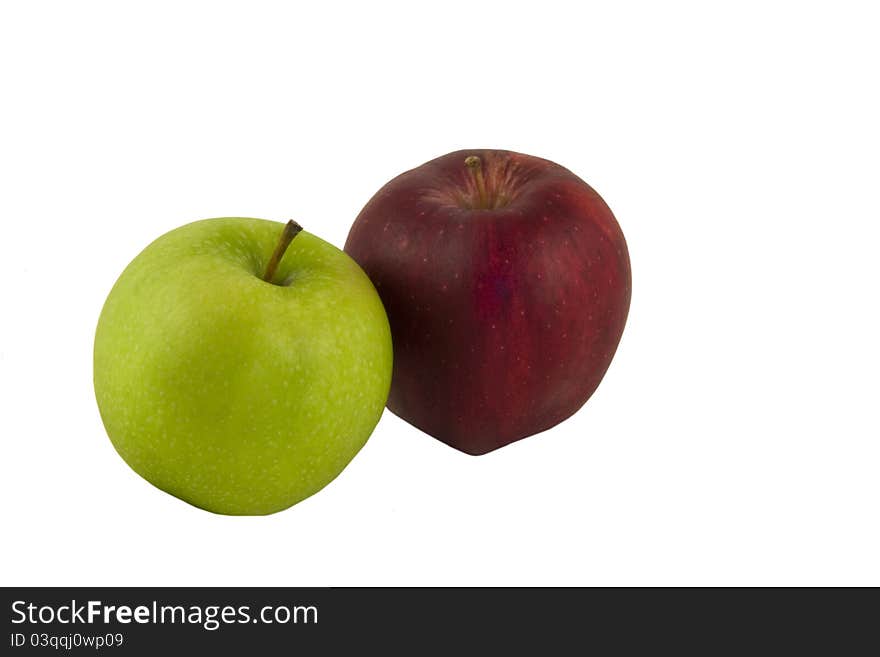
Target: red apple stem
[
  {"x": 291, "y": 230},
  {"x": 475, "y": 164}
]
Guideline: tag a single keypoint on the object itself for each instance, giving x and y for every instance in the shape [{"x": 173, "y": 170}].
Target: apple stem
[
  {"x": 475, "y": 164},
  {"x": 291, "y": 230}
]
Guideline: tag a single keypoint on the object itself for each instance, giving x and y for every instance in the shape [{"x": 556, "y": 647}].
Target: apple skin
[
  {"x": 236, "y": 395},
  {"x": 504, "y": 319}
]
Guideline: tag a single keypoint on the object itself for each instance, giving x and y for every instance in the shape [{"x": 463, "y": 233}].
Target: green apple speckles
[{"x": 235, "y": 394}]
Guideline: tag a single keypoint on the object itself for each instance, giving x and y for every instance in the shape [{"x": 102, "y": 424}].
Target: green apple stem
[
  {"x": 291, "y": 230},
  {"x": 475, "y": 164}
]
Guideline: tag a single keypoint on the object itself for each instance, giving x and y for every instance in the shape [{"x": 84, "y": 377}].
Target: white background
[{"x": 735, "y": 437}]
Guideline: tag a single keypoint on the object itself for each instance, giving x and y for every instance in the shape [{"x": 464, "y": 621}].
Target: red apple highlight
[{"x": 506, "y": 280}]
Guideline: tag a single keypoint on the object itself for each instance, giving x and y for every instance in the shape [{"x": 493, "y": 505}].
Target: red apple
[{"x": 506, "y": 280}]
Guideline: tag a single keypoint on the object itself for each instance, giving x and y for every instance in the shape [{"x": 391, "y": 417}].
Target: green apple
[{"x": 241, "y": 369}]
